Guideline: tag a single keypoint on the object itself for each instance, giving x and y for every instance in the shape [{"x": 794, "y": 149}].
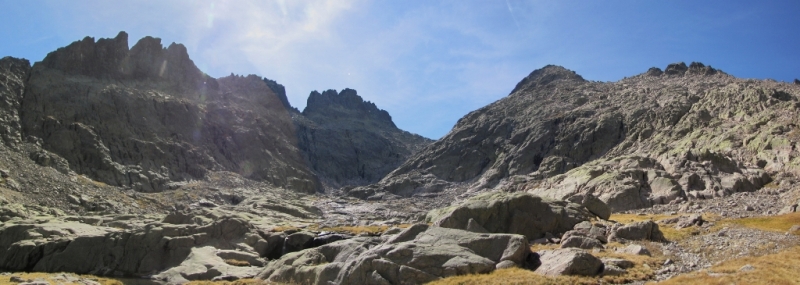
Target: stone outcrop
[
  {"x": 645, "y": 230},
  {"x": 349, "y": 141},
  {"x": 417, "y": 255},
  {"x": 64, "y": 246},
  {"x": 13, "y": 73},
  {"x": 568, "y": 262},
  {"x": 631, "y": 182},
  {"x": 516, "y": 213}
]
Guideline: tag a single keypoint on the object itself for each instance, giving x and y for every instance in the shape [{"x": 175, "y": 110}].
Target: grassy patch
[
  {"x": 780, "y": 223},
  {"x": 56, "y": 278},
  {"x": 779, "y": 268}
]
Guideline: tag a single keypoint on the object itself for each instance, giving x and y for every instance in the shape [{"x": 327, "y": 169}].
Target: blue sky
[{"x": 426, "y": 62}]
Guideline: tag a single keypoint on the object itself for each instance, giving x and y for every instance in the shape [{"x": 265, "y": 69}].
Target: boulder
[
  {"x": 515, "y": 213},
  {"x": 634, "y": 249},
  {"x": 581, "y": 242},
  {"x": 206, "y": 263},
  {"x": 688, "y": 221},
  {"x": 568, "y": 261},
  {"x": 417, "y": 255},
  {"x": 63, "y": 246},
  {"x": 644, "y": 230},
  {"x": 618, "y": 262},
  {"x": 593, "y": 204}
]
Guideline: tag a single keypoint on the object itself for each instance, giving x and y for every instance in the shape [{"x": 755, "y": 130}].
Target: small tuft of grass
[{"x": 778, "y": 268}]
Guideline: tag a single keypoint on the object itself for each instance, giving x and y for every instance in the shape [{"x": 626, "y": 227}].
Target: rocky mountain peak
[
  {"x": 329, "y": 104},
  {"x": 280, "y": 91},
  {"x": 695, "y": 68},
  {"x": 103, "y": 58},
  {"x": 545, "y": 75},
  {"x": 146, "y": 60}
]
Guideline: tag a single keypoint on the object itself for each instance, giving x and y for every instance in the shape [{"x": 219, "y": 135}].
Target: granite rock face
[
  {"x": 516, "y": 213},
  {"x": 349, "y": 141},
  {"x": 417, "y": 255}
]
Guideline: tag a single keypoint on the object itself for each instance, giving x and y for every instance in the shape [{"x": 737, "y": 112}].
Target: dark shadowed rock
[
  {"x": 654, "y": 71},
  {"x": 698, "y": 68},
  {"x": 349, "y": 141},
  {"x": 676, "y": 69},
  {"x": 13, "y": 73}
]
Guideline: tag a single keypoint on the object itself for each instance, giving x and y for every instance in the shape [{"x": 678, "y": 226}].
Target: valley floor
[{"x": 752, "y": 250}]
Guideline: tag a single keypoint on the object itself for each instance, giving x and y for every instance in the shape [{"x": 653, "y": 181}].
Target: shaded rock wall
[{"x": 349, "y": 141}]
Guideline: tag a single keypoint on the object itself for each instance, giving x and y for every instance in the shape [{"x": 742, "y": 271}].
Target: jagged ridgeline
[
  {"x": 149, "y": 119},
  {"x": 682, "y": 133}
]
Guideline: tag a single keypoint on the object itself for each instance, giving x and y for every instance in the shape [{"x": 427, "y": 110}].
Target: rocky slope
[
  {"x": 689, "y": 132},
  {"x": 349, "y": 141}
]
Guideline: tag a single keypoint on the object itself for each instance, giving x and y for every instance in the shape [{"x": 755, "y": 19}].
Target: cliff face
[
  {"x": 147, "y": 116},
  {"x": 349, "y": 141},
  {"x": 689, "y": 132}
]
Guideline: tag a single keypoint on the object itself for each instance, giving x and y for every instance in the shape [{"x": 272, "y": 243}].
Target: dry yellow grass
[
  {"x": 513, "y": 276},
  {"x": 56, "y": 278},
  {"x": 780, "y": 223},
  {"x": 779, "y": 268}
]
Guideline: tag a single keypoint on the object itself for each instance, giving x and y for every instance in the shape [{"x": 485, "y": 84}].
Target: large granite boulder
[
  {"x": 645, "y": 230},
  {"x": 568, "y": 261},
  {"x": 516, "y": 213},
  {"x": 417, "y": 255},
  {"x": 65, "y": 246}
]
